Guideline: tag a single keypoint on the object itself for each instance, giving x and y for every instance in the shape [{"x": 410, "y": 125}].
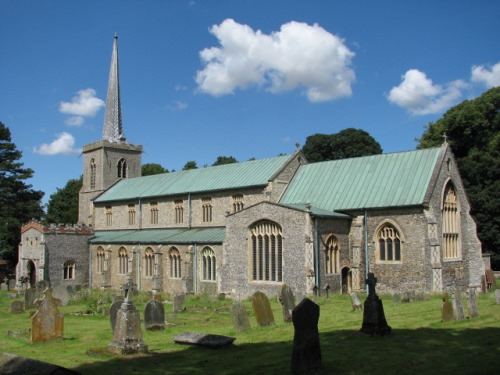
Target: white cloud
[
  {"x": 299, "y": 55},
  {"x": 420, "y": 96},
  {"x": 74, "y": 121},
  {"x": 488, "y": 77},
  {"x": 85, "y": 103},
  {"x": 63, "y": 144},
  {"x": 178, "y": 106}
]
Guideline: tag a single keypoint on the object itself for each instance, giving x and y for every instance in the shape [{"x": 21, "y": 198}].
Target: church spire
[{"x": 112, "y": 131}]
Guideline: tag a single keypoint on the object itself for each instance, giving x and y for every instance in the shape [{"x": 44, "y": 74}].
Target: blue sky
[{"x": 201, "y": 79}]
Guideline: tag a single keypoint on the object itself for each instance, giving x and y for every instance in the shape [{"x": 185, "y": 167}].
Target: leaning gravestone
[
  {"x": 61, "y": 292},
  {"x": 12, "y": 284},
  {"x": 154, "y": 315},
  {"x": 17, "y": 307},
  {"x": 446, "y": 309},
  {"x": 47, "y": 324},
  {"x": 356, "y": 302},
  {"x": 287, "y": 301},
  {"x": 306, "y": 354},
  {"x": 497, "y": 296},
  {"x": 240, "y": 318},
  {"x": 374, "y": 322},
  {"x": 113, "y": 310},
  {"x": 29, "y": 298},
  {"x": 472, "y": 303},
  {"x": 179, "y": 300},
  {"x": 262, "y": 309},
  {"x": 458, "y": 307}
]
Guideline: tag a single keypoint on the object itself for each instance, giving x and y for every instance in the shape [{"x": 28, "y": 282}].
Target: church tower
[{"x": 112, "y": 158}]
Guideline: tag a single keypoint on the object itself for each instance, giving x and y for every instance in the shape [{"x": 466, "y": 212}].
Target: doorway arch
[
  {"x": 31, "y": 272},
  {"x": 346, "y": 280}
]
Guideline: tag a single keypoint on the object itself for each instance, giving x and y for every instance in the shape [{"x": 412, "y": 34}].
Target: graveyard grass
[{"x": 419, "y": 343}]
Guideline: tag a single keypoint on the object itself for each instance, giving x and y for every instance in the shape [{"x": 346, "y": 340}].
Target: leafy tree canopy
[
  {"x": 150, "y": 169},
  {"x": 348, "y": 143},
  {"x": 472, "y": 131},
  {"x": 224, "y": 160},
  {"x": 190, "y": 165},
  {"x": 19, "y": 203},
  {"x": 63, "y": 204}
]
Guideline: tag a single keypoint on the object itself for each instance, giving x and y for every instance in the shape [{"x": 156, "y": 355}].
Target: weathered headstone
[
  {"x": 78, "y": 288},
  {"x": 262, "y": 309},
  {"x": 306, "y": 354},
  {"x": 61, "y": 292},
  {"x": 287, "y": 301},
  {"x": 42, "y": 285},
  {"x": 179, "y": 300},
  {"x": 497, "y": 296},
  {"x": 29, "y": 298},
  {"x": 240, "y": 318},
  {"x": 458, "y": 307},
  {"x": 203, "y": 339},
  {"x": 154, "y": 316},
  {"x": 47, "y": 324},
  {"x": 356, "y": 302},
  {"x": 374, "y": 322},
  {"x": 327, "y": 291},
  {"x": 5, "y": 284},
  {"x": 446, "y": 309},
  {"x": 12, "y": 284},
  {"x": 471, "y": 295},
  {"x": 127, "y": 335},
  {"x": 113, "y": 310},
  {"x": 396, "y": 298},
  {"x": 17, "y": 307}
]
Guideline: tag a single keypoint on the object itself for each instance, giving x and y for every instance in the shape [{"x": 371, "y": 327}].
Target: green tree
[
  {"x": 190, "y": 165},
  {"x": 18, "y": 201},
  {"x": 472, "y": 131},
  {"x": 150, "y": 169},
  {"x": 224, "y": 160},
  {"x": 63, "y": 204},
  {"x": 348, "y": 143}
]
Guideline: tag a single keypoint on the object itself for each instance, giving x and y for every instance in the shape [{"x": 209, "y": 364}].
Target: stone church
[{"x": 252, "y": 226}]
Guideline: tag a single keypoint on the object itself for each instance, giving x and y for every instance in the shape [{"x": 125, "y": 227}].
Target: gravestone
[
  {"x": 356, "y": 302},
  {"x": 458, "y": 307},
  {"x": 15, "y": 365},
  {"x": 29, "y": 298},
  {"x": 240, "y": 318},
  {"x": 127, "y": 336},
  {"x": 327, "y": 291},
  {"x": 12, "y": 284},
  {"x": 5, "y": 284},
  {"x": 78, "y": 288},
  {"x": 61, "y": 292},
  {"x": 262, "y": 309},
  {"x": 396, "y": 298},
  {"x": 472, "y": 303},
  {"x": 497, "y": 296},
  {"x": 47, "y": 324},
  {"x": 179, "y": 300},
  {"x": 203, "y": 339},
  {"x": 42, "y": 285},
  {"x": 17, "y": 307},
  {"x": 374, "y": 322},
  {"x": 446, "y": 309},
  {"x": 154, "y": 315},
  {"x": 287, "y": 301},
  {"x": 306, "y": 353},
  {"x": 113, "y": 310}
]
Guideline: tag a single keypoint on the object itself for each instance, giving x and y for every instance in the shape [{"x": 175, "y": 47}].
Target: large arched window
[
  {"x": 208, "y": 264},
  {"x": 149, "y": 261},
  {"x": 123, "y": 261},
  {"x": 332, "y": 255},
  {"x": 451, "y": 224},
  {"x": 92, "y": 173},
  {"x": 101, "y": 256},
  {"x": 69, "y": 270},
  {"x": 266, "y": 251},
  {"x": 122, "y": 168},
  {"x": 389, "y": 243},
  {"x": 175, "y": 263}
]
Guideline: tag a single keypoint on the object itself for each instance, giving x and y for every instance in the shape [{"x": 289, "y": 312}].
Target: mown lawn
[{"x": 419, "y": 343}]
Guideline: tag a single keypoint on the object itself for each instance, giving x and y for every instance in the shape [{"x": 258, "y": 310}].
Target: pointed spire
[{"x": 112, "y": 130}]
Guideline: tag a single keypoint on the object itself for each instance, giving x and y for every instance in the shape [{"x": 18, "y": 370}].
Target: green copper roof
[
  {"x": 398, "y": 179},
  {"x": 223, "y": 177},
  {"x": 161, "y": 236}
]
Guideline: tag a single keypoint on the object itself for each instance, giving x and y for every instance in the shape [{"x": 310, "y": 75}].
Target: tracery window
[
  {"x": 109, "y": 216},
  {"x": 131, "y": 214},
  {"x": 149, "y": 260},
  {"x": 123, "y": 261},
  {"x": 101, "y": 256},
  {"x": 92, "y": 173},
  {"x": 266, "y": 251},
  {"x": 69, "y": 270},
  {"x": 389, "y": 244},
  {"x": 153, "y": 213},
  {"x": 237, "y": 202},
  {"x": 179, "y": 211},
  {"x": 175, "y": 263},
  {"x": 332, "y": 254},
  {"x": 208, "y": 264},
  {"x": 206, "y": 204},
  {"x": 451, "y": 224},
  {"x": 122, "y": 168}
]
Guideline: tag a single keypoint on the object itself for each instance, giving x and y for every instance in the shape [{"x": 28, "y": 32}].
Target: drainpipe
[
  {"x": 195, "y": 268},
  {"x": 90, "y": 266},
  {"x": 139, "y": 268},
  {"x": 366, "y": 248},
  {"x": 189, "y": 210},
  {"x": 316, "y": 256},
  {"x": 140, "y": 214}
]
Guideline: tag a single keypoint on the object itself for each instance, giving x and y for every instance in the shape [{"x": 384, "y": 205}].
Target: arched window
[
  {"x": 451, "y": 224},
  {"x": 332, "y": 254},
  {"x": 389, "y": 244},
  {"x": 206, "y": 205},
  {"x": 92, "y": 173},
  {"x": 175, "y": 263},
  {"x": 238, "y": 202},
  {"x": 122, "y": 168},
  {"x": 123, "y": 261},
  {"x": 69, "y": 270},
  {"x": 208, "y": 264},
  {"x": 266, "y": 250},
  {"x": 101, "y": 256},
  {"x": 153, "y": 213},
  {"x": 149, "y": 261}
]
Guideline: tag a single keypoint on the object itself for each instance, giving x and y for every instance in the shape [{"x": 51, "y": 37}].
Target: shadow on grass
[{"x": 419, "y": 351}]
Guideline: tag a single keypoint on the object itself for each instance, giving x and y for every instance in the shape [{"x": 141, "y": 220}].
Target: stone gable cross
[{"x": 371, "y": 281}]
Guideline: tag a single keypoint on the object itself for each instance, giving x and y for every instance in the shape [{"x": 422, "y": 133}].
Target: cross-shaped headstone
[
  {"x": 128, "y": 288},
  {"x": 327, "y": 288},
  {"x": 371, "y": 281}
]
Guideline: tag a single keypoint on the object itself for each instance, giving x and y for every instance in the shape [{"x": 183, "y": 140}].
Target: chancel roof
[{"x": 378, "y": 181}]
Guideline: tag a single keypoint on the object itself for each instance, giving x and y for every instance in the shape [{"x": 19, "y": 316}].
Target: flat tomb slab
[{"x": 203, "y": 339}]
